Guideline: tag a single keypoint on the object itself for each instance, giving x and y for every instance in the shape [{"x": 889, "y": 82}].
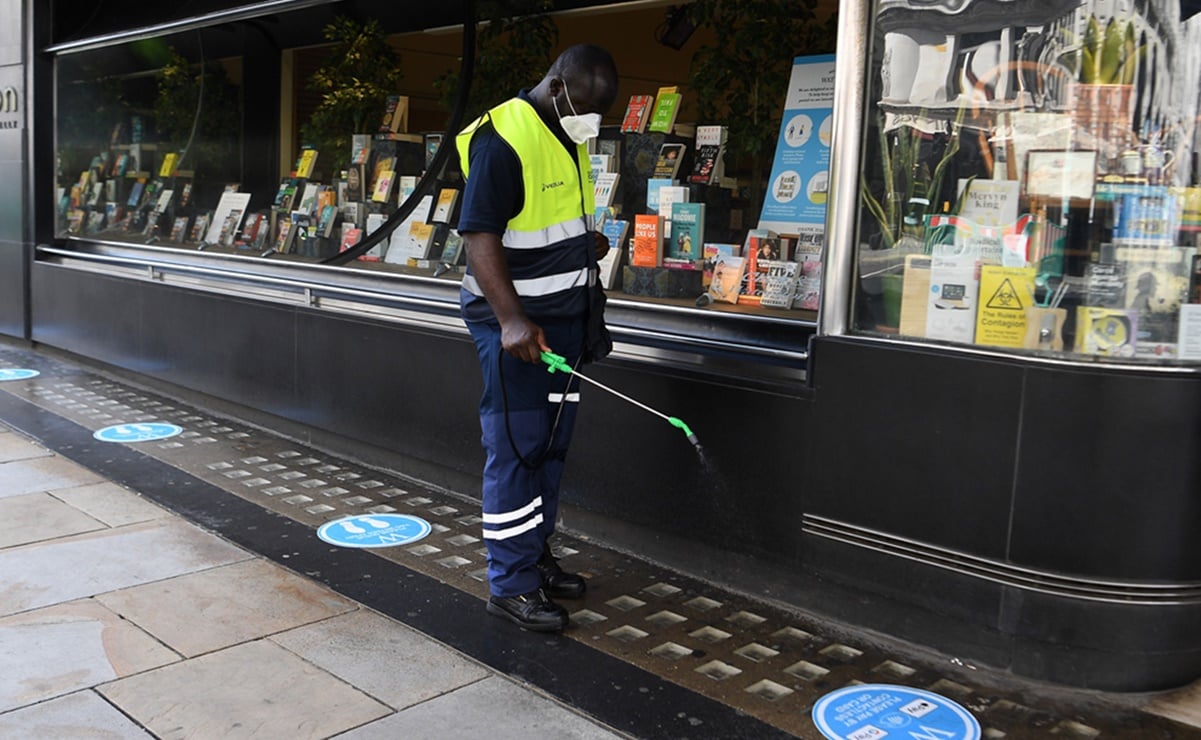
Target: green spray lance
[{"x": 559, "y": 363}]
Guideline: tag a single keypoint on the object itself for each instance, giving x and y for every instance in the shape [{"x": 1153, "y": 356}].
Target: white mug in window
[{"x": 1156, "y": 161}]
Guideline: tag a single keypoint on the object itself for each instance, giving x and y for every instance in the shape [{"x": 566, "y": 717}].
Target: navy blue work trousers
[{"x": 522, "y": 406}]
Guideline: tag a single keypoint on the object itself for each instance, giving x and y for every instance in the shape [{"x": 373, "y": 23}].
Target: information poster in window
[{"x": 795, "y": 202}]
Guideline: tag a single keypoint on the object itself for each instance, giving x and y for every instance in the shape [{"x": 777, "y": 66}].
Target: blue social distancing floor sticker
[
  {"x": 374, "y": 530},
  {"x": 874, "y": 711},
  {"x": 17, "y": 373},
  {"x": 137, "y": 432}
]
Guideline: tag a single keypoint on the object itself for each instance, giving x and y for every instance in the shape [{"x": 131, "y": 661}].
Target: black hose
[{"x": 554, "y": 428}]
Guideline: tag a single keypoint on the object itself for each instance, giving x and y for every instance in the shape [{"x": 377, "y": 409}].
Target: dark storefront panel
[
  {"x": 414, "y": 394},
  {"x": 940, "y": 432},
  {"x": 1006, "y": 503}
]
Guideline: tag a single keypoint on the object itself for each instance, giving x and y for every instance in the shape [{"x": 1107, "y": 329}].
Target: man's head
[{"x": 582, "y": 80}]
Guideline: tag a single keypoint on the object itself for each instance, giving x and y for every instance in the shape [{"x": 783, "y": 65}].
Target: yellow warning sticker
[{"x": 1005, "y": 294}]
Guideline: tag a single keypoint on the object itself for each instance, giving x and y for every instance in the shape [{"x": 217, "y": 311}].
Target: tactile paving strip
[{"x": 768, "y": 662}]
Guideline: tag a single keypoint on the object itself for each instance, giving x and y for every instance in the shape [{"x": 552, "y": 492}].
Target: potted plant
[
  {"x": 910, "y": 191},
  {"x": 741, "y": 80},
  {"x": 360, "y": 72},
  {"x": 513, "y": 50},
  {"x": 196, "y": 111},
  {"x": 1106, "y": 61}
]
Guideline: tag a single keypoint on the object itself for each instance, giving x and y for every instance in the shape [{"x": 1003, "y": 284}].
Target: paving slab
[
  {"x": 14, "y": 446},
  {"x": 111, "y": 504},
  {"x": 79, "y": 716},
  {"x": 62, "y": 649},
  {"x": 37, "y": 575},
  {"x": 35, "y": 474},
  {"x": 39, "y": 516},
  {"x": 494, "y": 708},
  {"x": 393, "y": 663},
  {"x": 253, "y": 690},
  {"x": 216, "y": 608}
]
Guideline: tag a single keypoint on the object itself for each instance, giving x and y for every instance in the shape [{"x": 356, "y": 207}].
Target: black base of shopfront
[
  {"x": 1058, "y": 526},
  {"x": 931, "y": 485}
]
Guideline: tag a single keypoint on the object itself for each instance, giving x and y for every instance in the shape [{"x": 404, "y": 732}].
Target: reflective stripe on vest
[
  {"x": 530, "y": 287},
  {"x": 552, "y": 234}
]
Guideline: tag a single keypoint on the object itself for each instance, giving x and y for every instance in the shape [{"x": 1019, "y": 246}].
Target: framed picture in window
[{"x": 1061, "y": 174}]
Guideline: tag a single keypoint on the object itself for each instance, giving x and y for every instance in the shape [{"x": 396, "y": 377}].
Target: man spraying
[{"x": 531, "y": 259}]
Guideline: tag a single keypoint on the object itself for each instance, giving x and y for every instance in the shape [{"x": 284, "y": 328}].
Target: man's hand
[
  {"x": 523, "y": 339},
  {"x": 602, "y": 245}
]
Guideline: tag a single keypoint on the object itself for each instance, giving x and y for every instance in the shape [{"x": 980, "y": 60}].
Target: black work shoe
[
  {"x": 557, "y": 583},
  {"x": 532, "y": 611}
]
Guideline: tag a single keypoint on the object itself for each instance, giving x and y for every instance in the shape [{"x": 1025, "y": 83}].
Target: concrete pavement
[{"x": 120, "y": 619}]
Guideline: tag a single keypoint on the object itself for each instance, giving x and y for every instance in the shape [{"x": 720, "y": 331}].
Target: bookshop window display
[
  {"x": 1030, "y": 179},
  {"x": 153, "y": 141}
]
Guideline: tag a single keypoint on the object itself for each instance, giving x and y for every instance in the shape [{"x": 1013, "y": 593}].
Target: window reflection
[{"x": 1030, "y": 178}]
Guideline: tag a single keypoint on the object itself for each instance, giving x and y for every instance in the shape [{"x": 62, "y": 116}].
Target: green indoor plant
[
  {"x": 1106, "y": 61},
  {"x": 741, "y": 80},
  {"x": 513, "y": 51},
  {"x": 910, "y": 189},
  {"x": 197, "y": 112},
  {"x": 360, "y": 71}
]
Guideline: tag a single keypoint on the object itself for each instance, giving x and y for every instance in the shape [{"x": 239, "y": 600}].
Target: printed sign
[
  {"x": 17, "y": 373},
  {"x": 136, "y": 432},
  {"x": 374, "y": 530},
  {"x": 1188, "y": 338},
  {"x": 1005, "y": 294},
  {"x": 871, "y": 711},
  {"x": 799, "y": 186}
]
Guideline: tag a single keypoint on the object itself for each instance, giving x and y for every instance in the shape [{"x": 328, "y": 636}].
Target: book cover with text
[
  {"x": 726, "y": 282},
  {"x": 667, "y": 107},
  {"x": 638, "y": 113},
  {"x": 646, "y": 249},
  {"x": 687, "y": 232}
]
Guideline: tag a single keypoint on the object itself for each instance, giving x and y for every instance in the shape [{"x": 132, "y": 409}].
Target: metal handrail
[
  {"x": 301, "y": 285},
  {"x": 306, "y": 291}
]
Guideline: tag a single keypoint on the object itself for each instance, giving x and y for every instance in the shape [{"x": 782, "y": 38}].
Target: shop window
[
  {"x": 1029, "y": 180},
  {"x": 291, "y": 138}
]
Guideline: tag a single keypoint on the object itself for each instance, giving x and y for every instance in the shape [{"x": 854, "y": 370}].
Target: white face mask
[{"x": 579, "y": 128}]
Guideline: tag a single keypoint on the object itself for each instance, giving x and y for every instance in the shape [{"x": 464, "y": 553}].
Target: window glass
[
  {"x": 294, "y": 136},
  {"x": 1030, "y": 178}
]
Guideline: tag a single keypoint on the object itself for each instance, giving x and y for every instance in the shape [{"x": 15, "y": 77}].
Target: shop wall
[
  {"x": 1030, "y": 465},
  {"x": 11, "y": 32},
  {"x": 745, "y": 494},
  {"x": 411, "y": 393},
  {"x": 13, "y": 275},
  {"x": 1007, "y": 512}
]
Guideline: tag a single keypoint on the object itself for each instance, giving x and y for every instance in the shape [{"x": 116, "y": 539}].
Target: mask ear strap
[{"x": 567, "y": 95}]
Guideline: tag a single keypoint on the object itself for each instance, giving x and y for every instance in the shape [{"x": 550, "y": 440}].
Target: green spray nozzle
[
  {"x": 555, "y": 362},
  {"x": 679, "y": 424}
]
